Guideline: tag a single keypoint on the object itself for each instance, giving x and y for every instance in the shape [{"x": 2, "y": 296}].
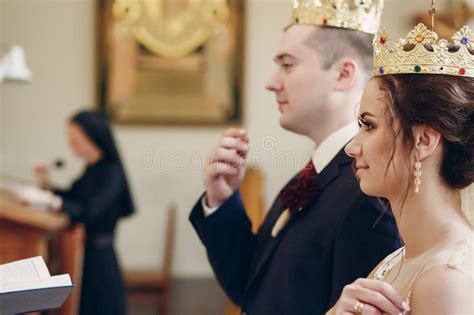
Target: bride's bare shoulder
[{"x": 446, "y": 288}]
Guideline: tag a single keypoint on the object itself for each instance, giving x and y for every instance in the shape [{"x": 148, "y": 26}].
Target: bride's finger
[
  {"x": 371, "y": 310},
  {"x": 348, "y": 307},
  {"x": 372, "y": 297},
  {"x": 386, "y": 290}
]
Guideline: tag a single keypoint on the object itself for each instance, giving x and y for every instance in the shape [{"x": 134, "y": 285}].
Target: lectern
[{"x": 26, "y": 232}]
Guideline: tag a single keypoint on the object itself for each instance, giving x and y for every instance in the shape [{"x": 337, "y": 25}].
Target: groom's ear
[{"x": 344, "y": 72}]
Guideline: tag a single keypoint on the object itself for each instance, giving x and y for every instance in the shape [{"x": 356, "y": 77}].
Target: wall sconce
[{"x": 13, "y": 66}]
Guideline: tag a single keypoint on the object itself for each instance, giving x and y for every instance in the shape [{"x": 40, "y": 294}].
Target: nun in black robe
[{"x": 98, "y": 199}]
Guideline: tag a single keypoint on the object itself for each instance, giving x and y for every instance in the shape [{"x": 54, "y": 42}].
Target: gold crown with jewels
[
  {"x": 421, "y": 52},
  {"x": 359, "y": 15}
]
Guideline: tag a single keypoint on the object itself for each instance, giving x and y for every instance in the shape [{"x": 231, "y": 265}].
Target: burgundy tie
[{"x": 298, "y": 192}]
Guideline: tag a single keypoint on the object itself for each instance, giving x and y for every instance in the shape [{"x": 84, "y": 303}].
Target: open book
[{"x": 27, "y": 286}]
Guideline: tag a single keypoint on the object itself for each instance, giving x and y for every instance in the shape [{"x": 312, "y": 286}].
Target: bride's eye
[{"x": 365, "y": 125}]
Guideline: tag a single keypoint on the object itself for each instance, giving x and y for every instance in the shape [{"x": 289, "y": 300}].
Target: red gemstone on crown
[
  {"x": 382, "y": 40},
  {"x": 462, "y": 71},
  {"x": 325, "y": 21}
]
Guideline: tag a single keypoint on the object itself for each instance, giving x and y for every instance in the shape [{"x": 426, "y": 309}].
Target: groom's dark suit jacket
[{"x": 340, "y": 236}]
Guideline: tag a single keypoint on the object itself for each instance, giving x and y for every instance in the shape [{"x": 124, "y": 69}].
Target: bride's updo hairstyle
[{"x": 445, "y": 103}]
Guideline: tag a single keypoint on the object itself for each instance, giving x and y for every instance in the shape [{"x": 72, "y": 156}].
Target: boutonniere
[
  {"x": 282, "y": 221},
  {"x": 296, "y": 195}
]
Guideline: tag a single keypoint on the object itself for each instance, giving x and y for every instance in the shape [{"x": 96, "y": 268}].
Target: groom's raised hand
[{"x": 225, "y": 166}]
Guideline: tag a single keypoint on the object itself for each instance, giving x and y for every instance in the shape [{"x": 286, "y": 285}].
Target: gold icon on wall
[{"x": 171, "y": 61}]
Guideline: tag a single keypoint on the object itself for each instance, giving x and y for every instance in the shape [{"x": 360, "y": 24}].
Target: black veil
[{"x": 95, "y": 126}]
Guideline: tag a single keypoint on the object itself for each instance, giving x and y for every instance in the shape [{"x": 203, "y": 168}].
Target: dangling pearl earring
[{"x": 417, "y": 174}]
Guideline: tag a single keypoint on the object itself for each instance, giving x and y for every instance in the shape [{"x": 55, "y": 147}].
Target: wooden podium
[{"x": 26, "y": 232}]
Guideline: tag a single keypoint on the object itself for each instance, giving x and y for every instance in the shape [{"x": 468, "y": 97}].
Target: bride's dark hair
[{"x": 445, "y": 103}]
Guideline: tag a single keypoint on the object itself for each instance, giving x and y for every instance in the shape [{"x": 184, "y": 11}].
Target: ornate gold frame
[{"x": 136, "y": 86}]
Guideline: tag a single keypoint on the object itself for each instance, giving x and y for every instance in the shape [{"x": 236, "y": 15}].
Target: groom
[{"x": 321, "y": 232}]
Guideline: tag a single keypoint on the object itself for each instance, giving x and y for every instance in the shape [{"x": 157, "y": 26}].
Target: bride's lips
[{"x": 361, "y": 168}]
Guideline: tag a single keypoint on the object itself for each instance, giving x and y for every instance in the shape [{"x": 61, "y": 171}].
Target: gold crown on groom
[
  {"x": 421, "y": 52},
  {"x": 359, "y": 15}
]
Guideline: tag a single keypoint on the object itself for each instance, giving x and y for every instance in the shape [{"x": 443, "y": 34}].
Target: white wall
[
  {"x": 57, "y": 38},
  {"x": 161, "y": 161}
]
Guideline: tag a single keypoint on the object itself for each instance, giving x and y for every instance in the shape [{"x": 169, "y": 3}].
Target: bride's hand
[{"x": 369, "y": 297}]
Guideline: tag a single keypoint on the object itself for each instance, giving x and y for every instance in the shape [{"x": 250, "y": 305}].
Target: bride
[{"x": 416, "y": 149}]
